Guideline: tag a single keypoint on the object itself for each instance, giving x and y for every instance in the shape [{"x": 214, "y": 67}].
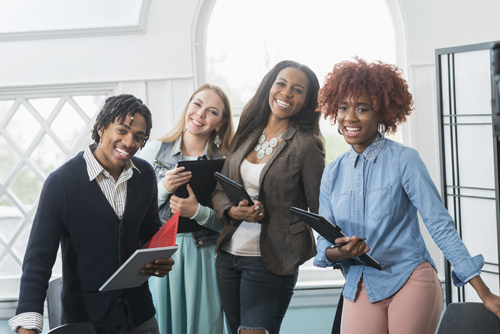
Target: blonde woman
[{"x": 188, "y": 301}]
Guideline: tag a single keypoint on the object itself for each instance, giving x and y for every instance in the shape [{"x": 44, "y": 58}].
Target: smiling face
[
  {"x": 288, "y": 93},
  {"x": 119, "y": 142},
  {"x": 204, "y": 113},
  {"x": 358, "y": 121}
]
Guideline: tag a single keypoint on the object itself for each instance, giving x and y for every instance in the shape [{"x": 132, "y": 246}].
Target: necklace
[{"x": 264, "y": 147}]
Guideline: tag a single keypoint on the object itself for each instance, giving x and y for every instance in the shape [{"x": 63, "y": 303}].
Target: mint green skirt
[{"x": 187, "y": 299}]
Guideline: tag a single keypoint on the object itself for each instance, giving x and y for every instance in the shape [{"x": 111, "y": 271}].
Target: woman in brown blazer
[{"x": 278, "y": 155}]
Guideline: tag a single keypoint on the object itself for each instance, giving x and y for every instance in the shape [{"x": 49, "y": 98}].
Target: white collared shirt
[{"x": 115, "y": 191}]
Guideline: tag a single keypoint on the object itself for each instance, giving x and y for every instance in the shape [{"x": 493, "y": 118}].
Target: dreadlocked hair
[{"x": 117, "y": 108}]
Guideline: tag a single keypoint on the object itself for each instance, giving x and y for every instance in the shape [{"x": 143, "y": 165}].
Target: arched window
[{"x": 246, "y": 39}]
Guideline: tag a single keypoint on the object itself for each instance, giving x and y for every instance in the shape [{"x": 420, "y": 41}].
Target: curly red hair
[{"x": 383, "y": 82}]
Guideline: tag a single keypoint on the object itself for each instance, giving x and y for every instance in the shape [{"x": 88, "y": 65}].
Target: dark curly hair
[
  {"x": 256, "y": 112},
  {"x": 383, "y": 82},
  {"x": 117, "y": 108}
]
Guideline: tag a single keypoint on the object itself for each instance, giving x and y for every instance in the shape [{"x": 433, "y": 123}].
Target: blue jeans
[{"x": 252, "y": 297}]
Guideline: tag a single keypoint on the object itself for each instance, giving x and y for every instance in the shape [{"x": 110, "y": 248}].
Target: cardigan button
[
  {"x": 200, "y": 243},
  {"x": 118, "y": 326},
  {"x": 119, "y": 302}
]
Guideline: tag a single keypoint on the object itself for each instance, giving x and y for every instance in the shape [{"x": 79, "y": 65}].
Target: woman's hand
[
  {"x": 174, "y": 178},
  {"x": 187, "y": 207},
  {"x": 252, "y": 213},
  {"x": 490, "y": 300},
  {"x": 492, "y": 303},
  {"x": 353, "y": 247}
]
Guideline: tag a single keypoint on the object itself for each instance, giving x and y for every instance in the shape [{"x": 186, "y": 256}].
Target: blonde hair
[{"x": 226, "y": 131}]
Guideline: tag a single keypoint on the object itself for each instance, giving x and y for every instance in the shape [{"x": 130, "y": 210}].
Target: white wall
[{"x": 432, "y": 25}]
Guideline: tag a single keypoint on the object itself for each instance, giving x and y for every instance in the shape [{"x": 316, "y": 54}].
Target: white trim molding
[
  {"x": 199, "y": 29},
  {"x": 140, "y": 28}
]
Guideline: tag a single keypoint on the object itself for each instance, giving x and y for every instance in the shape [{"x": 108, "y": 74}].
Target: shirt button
[
  {"x": 200, "y": 243},
  {"x": 122, "y": 252},
  {"x": 119, "y": 302},
  {"x": 360, "y": 193},
  {"x": 360, "y": 229}
]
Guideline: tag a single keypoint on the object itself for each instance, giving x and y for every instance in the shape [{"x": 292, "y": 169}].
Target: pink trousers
[{"x": 415, "y": 309}]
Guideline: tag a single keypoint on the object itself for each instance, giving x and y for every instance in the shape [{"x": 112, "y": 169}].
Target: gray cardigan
[{"x": 291, "y": 177}]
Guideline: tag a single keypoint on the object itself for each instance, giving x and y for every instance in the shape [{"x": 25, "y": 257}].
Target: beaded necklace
[{"x": 264, "y": 147}]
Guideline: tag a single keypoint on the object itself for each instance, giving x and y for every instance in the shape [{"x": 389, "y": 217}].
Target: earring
[
  {"x": 185, "y": 128},
  {"x": 340, "y": 132},
  {"x": 217, "y": 140},
  {"x": 381, "y": 129}
]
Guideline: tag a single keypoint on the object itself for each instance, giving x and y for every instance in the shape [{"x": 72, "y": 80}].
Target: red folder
[{"x": 166, "y": 236}]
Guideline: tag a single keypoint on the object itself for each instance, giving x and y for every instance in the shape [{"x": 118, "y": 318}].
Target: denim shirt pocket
[
  {"x": 378, "y": 202},
  {"x": 341, "y": 206}
]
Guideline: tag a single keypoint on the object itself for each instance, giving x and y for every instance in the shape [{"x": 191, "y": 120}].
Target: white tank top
[{"x": 246, "y": 240}]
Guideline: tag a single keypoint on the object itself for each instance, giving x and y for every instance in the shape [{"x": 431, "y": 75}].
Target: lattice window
[{"x": 39, "y": 130}]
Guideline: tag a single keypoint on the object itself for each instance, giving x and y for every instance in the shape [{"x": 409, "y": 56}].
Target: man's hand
[{"x": 158, "y": 268}]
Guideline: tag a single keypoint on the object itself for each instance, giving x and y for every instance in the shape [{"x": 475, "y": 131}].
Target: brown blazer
[{"x": 291, "y": 177}]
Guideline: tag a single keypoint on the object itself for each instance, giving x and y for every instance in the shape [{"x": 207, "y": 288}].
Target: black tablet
[
  {"x": 235, "y": 191},
  {"x": 202, "y": 179},
  {"x": 329, "y": 231}
]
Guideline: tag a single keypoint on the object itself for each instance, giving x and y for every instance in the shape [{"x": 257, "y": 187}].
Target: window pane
[
  {"x": 20, "y": 187},
  {"x": 44, "y": 106},
  {"x": 23, "y": 127}
]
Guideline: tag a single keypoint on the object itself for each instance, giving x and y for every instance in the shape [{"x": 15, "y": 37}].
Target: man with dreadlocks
[{"x": 100, "y": 206}]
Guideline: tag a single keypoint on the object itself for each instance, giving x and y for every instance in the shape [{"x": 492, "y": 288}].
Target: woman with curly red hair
[{"x": 374, "y": 191}]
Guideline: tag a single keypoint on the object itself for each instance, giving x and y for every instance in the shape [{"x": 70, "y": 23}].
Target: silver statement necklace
[{"x": 264, "y": 147}]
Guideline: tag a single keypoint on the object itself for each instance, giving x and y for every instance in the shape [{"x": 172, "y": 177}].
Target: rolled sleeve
[
  {"x": 163, "y": 193},
  {"x": 207, "y": 217},
  {"x": 320, "y": 259},
  {"x": 27, "y": 320},
  {"x": 467, "y": 270}
]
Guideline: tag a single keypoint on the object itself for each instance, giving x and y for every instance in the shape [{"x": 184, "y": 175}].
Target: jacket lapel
[
  {"x": 287, "y": 136},
  {"x": 242, "y": 153}
]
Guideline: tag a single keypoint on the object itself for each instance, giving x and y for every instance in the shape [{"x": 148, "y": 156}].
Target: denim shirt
[
  {"x": 377, "y": 195},
  {"x": 166, "y": 158}
]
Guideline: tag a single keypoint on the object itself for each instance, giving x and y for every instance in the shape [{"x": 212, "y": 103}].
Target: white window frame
[
  {"x": 139, "y": 28},
  {"x": 9, "y": 285}
]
